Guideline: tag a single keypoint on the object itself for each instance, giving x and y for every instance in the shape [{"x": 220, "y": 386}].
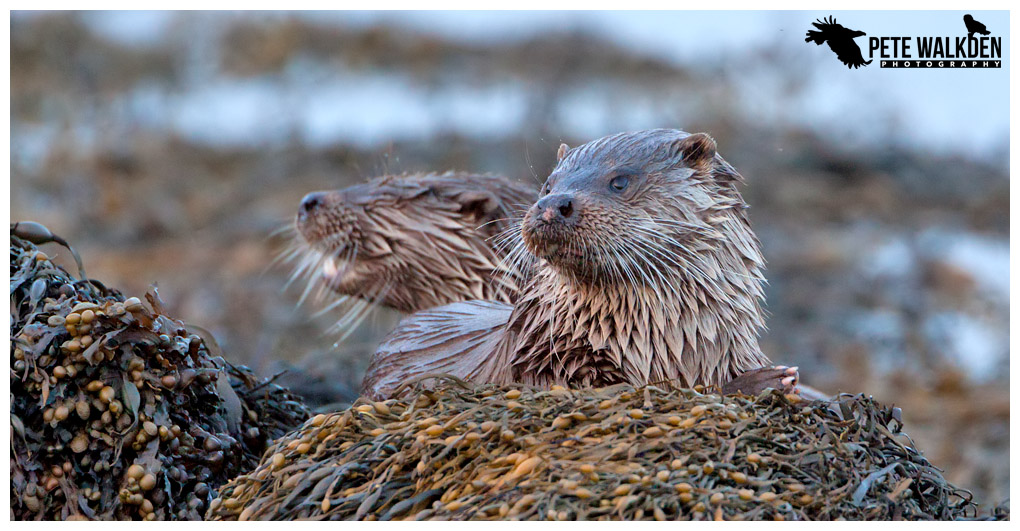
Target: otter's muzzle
[
  {"x": 312, "y": 202},
  {"x": 549, "y": 224},
  {"x": 556, "y": 208},
  {"x": 317, "y": 215}
]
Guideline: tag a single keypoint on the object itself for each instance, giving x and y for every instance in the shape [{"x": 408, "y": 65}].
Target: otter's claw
[{"x": 755, "y": 381}]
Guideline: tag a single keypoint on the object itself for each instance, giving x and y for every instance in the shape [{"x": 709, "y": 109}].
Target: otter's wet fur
[
  {"x": 413, "y": 241},
  {"x": 649, "y": 271}
]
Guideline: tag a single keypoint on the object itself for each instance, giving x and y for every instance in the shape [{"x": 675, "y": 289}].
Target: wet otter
[
  {"x": 649, "y": 271},
  {"x": 413, "y": 241}
]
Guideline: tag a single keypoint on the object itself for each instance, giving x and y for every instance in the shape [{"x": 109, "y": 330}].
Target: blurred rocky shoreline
[{"x": 173, "y": 160}]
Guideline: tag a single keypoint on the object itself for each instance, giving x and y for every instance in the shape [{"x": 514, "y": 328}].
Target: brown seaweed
[
  {"x": 119, "y": 411},
  {"x": 485, "y": 452}
]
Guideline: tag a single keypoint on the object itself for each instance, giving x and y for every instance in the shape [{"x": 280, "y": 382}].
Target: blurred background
[{"x": 167, "y": 147}]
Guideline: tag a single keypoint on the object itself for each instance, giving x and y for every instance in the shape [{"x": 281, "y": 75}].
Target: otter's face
[
  {"x": 358, "y": 248},
  {"x": 627, "y": 206},
  {"x": 383, "y": 241}
]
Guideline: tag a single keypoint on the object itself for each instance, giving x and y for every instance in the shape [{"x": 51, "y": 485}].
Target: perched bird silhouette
[
  {"x": 974, "y": 26},
  {"x": 840, "y": 39}
]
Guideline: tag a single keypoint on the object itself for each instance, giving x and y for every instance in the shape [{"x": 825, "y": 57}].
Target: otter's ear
[
  {"x": 562, "y": 152},
  {"x": 480, "y": 205},
  {"x": 695, "y": 151}
]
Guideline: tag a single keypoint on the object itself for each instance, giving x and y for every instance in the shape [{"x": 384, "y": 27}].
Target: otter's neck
[
  {"x": 453, "y": 268},
  {"x": 702, "y": 328}
]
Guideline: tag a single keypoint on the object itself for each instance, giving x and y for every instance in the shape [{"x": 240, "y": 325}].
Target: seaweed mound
[
  {"x": 464, "y": 452},
  {"x": 117, "y": 410}
]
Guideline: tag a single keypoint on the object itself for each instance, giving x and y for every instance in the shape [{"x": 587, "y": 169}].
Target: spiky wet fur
[
  {"x": 668, "y": 284},
  {"x": 412, "y": 241},
  {"x": 665, "y": 283}
]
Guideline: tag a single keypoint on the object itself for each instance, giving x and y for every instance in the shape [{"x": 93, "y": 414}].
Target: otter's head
[
  {"x": 634, "y": 207},
  {"x": 406, "y": 241}
]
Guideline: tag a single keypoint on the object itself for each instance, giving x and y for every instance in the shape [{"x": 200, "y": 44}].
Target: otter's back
[{"x": 457, "y": 339}]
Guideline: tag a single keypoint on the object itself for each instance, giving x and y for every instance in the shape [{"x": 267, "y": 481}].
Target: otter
[
  {"x": 648, "y": 271},
  {"x": 413, "y": 241}
]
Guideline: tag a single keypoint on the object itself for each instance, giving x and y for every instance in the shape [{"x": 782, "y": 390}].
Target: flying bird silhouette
[
  {"x": 974, "y": 26},
  {"x": 841, "y": 41}
]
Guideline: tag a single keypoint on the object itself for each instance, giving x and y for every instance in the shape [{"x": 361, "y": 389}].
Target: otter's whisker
[
  {"x": 497, "y": 220},
  {"x": 379, "y": 294},
  {"x": 628, "y": 246},
  {"x": 659, "y": 249},
  {"x": 342, "y": 326},
  {"x": 332, "y": 306},
  {"x": 308, "y": 263},
  {"x": 685, "y": 264},
  {"x": 288, "y": 227},
  {"x": 621, "y": 268},
  {"x": 312, "y": 282}
]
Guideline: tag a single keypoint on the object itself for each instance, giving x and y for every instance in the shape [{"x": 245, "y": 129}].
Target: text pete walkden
[{"x": 936, "y": 52}]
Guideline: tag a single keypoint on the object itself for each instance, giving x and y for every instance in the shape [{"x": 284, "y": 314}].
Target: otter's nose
[
  {"x": 312, "y": 201},
  {"x": 556, "y": 207}
]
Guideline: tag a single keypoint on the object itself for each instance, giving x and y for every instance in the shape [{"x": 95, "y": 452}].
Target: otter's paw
[{"x": 755, "y": 381}]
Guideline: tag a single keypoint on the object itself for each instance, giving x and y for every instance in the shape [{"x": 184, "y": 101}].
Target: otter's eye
[{"x": 620, "y": 182}]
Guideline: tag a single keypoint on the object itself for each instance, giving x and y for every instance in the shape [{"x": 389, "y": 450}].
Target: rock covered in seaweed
[
  {"x": 119, "y": 411},
  {"x": 485, "y": 452}
]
